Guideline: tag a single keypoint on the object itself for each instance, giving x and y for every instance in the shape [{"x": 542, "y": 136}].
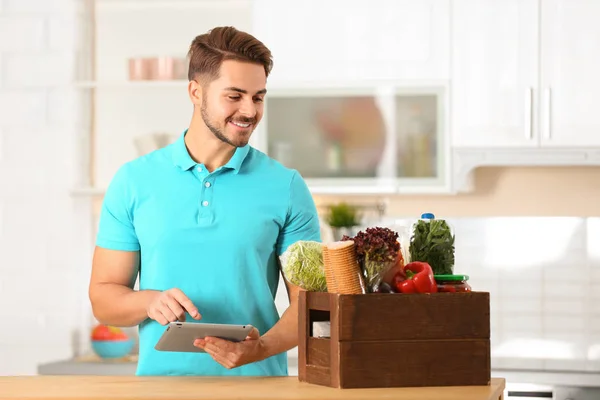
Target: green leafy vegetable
[
  {"x": 433, "y": 242},
  {"x": 302, "y": 265}
]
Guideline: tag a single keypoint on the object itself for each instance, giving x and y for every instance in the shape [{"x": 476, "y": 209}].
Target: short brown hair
[{"x": 209, "y": 50}]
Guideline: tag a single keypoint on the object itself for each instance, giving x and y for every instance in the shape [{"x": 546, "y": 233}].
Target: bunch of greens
[
  {"x": 433, "y": 242},
  {"x": 302, "y": 265},
  {"x": 377, "y": 251},
  {"x": 342, "y": 215}
]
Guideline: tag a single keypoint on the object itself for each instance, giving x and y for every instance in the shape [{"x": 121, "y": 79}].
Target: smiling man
[{"x": 203, "y": 222}]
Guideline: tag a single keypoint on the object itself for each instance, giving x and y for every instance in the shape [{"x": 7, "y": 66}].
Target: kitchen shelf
[
  {"x": 132, "y": 84},
  {"x": 180, "y": 83},
  {"x": 130, "y": 5},
  {"x": 88, "y": 192}
]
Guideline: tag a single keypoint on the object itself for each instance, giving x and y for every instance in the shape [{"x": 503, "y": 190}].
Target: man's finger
[
  {"x": 219, "y": 358},
  {"x": 225, "y": 346},
  {"x": 167, "y": 312},
  {"x": 253, "y": 335},
  {"x": 158, "y": 317},
  {"x": 186, "y": 303},
  {"x": 217, "y": 345},
  {"x": 175, "y": 308}
]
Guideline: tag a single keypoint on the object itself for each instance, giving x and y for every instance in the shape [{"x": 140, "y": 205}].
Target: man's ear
[{"x": 195, "y": 92}]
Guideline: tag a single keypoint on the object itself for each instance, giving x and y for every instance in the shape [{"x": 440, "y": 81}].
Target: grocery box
[{"x": 395, "y": 340}]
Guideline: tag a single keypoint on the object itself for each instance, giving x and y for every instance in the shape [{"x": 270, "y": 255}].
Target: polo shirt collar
[
  {"x": 182, "y": 158},
  {"x": 235, "y": 162}
]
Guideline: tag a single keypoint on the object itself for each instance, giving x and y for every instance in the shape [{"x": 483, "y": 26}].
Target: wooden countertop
[{"x": 130, "y": 388}]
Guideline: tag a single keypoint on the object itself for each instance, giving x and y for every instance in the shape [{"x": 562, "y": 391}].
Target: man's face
[{"x": 232, "y": 105}]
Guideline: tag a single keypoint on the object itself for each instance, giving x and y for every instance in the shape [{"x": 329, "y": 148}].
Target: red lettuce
[{"x": 376, "y": 244}]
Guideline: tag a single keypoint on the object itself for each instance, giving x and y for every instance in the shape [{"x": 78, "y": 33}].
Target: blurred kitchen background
[{"x": 483, "y": 112}]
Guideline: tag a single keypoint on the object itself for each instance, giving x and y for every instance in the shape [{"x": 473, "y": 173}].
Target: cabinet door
[
  {"x": 327, "y": 133},
  {"x": 570, "y": 73},
  {"x": 362, "y": 140},
  {"x": 494, "y": 73},
  {"x": 345, "y": 40}
]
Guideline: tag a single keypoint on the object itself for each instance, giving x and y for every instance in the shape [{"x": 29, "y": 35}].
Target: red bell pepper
[{"x": 419, "y": 279}]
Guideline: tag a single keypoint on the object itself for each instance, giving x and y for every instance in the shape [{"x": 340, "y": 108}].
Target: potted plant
[{"x": 342, "y": 218}]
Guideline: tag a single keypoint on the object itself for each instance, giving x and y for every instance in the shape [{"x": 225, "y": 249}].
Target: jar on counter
[
  {"x": 432, "y": 241},
  {"x": 452, "y": 283}
]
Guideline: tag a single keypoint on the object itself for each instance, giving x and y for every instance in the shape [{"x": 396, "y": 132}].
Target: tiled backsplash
[{"x": 543, "y": 275}]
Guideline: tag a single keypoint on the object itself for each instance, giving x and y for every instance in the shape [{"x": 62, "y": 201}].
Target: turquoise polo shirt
[{"x": 216, "y": 236}]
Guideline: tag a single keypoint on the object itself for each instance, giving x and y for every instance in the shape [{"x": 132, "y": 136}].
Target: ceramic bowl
[{"x": 112, "y": 348}]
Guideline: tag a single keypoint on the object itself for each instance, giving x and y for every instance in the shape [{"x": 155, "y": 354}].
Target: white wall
[
  {"x": 542, "y": 274},
  {"x": 41, "y": 228}
]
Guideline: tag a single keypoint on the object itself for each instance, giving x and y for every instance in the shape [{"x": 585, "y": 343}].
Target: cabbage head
[{"x": 302, "y": 265}]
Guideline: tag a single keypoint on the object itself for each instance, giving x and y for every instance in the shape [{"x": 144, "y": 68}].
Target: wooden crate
[{"x": 395, "y": 340}]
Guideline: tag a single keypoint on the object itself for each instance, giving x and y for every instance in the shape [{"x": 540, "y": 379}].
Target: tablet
[{"x": 180, "y": 336}]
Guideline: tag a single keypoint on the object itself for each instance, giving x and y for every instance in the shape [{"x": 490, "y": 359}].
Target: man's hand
[
  {"x": 233, "y": 354},
  {"x": 170, "y": 306}
]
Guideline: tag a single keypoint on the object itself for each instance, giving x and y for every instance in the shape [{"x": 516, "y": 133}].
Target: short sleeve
[
  {"x": 116, "y": 230},
  {"x": 302, "y": 221}
]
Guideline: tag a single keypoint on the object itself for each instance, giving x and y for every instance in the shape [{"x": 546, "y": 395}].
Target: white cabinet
[
  {"x": 494, "y": 72},
  {"x": 341, "y": 40},
  {"x": 370, "y": 139},
  {"x": 570, "y": 73},
  {"x": 358, "y": 97},
  {"x": 525, "y": 73}
]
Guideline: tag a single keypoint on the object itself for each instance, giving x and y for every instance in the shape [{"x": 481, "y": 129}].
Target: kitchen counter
[
  {"x": 91, "y": 365},
  {"x": 94, "y": 365},
  {"x": 119, "y": 387}
]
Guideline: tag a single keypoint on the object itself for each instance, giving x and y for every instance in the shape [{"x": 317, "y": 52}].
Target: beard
[{"x": 220, "y": 134}]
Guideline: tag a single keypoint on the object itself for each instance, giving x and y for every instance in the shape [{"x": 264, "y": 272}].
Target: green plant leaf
[{"x": 342, "y": 215}]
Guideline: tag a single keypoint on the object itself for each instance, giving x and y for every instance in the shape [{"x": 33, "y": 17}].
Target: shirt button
[
  {"x": 199, "y": 169},
  {"x": 207, "y": 184},
  {"x": 205, "y": 203}
]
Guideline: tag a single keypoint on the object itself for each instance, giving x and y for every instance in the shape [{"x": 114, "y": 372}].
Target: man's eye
[
  {"x": 258, "y": 100},
  {"x": 234, "y": 97}
]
